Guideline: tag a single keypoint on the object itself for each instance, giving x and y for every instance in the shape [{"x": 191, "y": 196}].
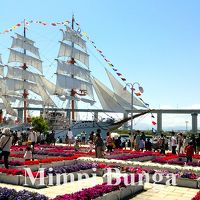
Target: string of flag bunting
[
  {"x": 65, "y": 23},
  {"x": 152, "y": 117},
  {"x": 104, "y": 57},
  {"x": 117, "y": 72},
  {"x": 44, "y": 23}
]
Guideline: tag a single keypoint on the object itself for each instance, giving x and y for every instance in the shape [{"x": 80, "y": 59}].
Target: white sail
[
  {"x": 22, "y": 43},
  {"x": 0, "y": 59},
  {"x": 126, "y": 105},
  {"x": 65, "y": 68},
  {"x": 21, "y": 74},
  {"x": 45, "y": 97},
  {"x": 1, "y": 67},
  {"x": 16, "y": 56},
  {"x": 91, "y": 102},
  {"x": 16, "y": 85},
  {"x": 51, "y": 88},
  {"x": 1, "y": 70},
  {"x": 68, "y": 97},
  {"x": 8, "y": 107},
  {"x": 4, "y": 90},
  {"x": 2, "y": 86},
  {"x": 67, "y": 82},
  {"x": 20, "y": 98},
  {"x": 106, "y": 97},
  {"x": 67, "y": 50},
  {"x": 13, "y": 98},
  {"x": 72, "y": 36},
  {"x": 2, "y": 106},
  {"x": 124, "y": 94},
  {"x": 25, "y": 39}
]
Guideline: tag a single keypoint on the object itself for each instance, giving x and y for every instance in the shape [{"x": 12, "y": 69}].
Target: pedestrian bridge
[{"x": 193, "y": 112}]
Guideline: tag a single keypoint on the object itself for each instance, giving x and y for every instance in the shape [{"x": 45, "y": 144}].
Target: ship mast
[
  {"x": 24, "y": 67},
  {"x": 73, "y": 91}
]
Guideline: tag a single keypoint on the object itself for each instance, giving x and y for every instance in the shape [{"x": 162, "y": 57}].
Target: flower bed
[
  {"x": 103, "y": 191},
  {"x": 197, "y": 196},
  {"x": 73, "y": 170},
  {"x": 147, "y": 166},
  {"x": 175, "y": 161},
  {"x": 11, "y": 194},
  {"x": 17, "y": 177},
  {"x": 70, "y": 168},
  {"x": 12, "y": 163},
  {"x": 139, "y": 156}
]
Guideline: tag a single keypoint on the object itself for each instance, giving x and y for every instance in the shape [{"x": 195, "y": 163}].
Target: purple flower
[{"x": 11, "y": 194}]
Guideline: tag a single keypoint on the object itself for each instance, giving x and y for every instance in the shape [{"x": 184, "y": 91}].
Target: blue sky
[{"x": 156, "y": 43}]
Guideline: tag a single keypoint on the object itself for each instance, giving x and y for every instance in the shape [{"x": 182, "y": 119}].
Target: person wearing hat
[{"x": 5, "y": 145}]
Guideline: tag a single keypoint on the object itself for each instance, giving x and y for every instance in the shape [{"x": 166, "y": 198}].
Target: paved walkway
[{"x": 158, "y": 192}]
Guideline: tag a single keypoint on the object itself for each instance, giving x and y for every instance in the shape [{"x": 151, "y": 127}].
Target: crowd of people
[
  {"x": 29, "y": 137},
  {"x": 138, "y": 141}
]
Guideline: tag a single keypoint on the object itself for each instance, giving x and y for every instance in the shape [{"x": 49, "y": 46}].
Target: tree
[{"x": 39, "y": 124}]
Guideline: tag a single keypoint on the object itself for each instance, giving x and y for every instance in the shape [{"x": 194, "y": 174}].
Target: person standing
[
  {"x": 185, "y": 143},
  {"x": 137, "y": 141},
  {"x": 91, "y": 141},
  {"x": 83, "y": 137},
  {"x": 180, "y": 142},
  {"x": 143, "y": 136},
  {"x": 52, "y": 137},
  {"x": 141, "y": 144},
  {"x": 5, "y": 145},
  {"x": 109, "y": 143},
  {"x": 173, "y": 143},
  {"x": 32, "y": 136},
  {"x": 19, "y": 135},
  {"x": 70, "y": 137},
  {"x": 99, "y": 144},
  {"x": 162, "y": 144},
  {"x": 14, "y": 140},
  {"x": 148, "y": 145},
  {"x": 189, "y": 151},
  {"x": 198, "y": 144},
  {"x": 42, "y": 138},
  {"x": 193, "y": 139}
]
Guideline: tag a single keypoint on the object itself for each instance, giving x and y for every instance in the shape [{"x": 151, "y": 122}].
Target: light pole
[{"x": 131, "y": 86}]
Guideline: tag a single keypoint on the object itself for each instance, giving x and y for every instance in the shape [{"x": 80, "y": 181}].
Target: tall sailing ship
[
  {"x": 20, "y": 82},
  {"x": 74, "y": 83}
]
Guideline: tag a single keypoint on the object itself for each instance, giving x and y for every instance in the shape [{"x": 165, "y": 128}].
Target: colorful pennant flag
[
  {"x": 137, "y": 93},
  {"x": 119, "y": 74},
  {"x": 154, "y": 123},
  {"x": 36, "y": 22}
]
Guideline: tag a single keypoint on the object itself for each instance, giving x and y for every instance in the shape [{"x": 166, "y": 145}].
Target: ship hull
[{"x": 87, "y": 126}]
